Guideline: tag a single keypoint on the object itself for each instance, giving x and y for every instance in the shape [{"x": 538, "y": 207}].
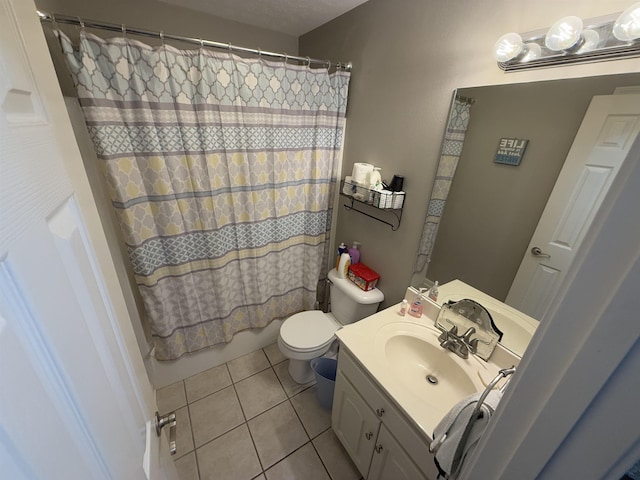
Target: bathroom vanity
[
  {"x": 394, "y": 384},
  {"x": 381, "y": 439}
]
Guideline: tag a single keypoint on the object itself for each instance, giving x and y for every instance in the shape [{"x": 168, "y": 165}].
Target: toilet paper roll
[{"x": 361, "y": 172}]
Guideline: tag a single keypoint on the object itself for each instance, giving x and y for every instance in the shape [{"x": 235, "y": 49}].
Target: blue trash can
[{"x": 325, "y": 372}]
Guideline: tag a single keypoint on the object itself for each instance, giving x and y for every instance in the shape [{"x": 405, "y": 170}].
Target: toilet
[{"x": 308, "y": 335}]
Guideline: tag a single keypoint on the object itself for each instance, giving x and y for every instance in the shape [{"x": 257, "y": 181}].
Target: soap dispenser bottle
[
  {"x": 375, "y": 178},
  {"x": 415, "y": 310},
  {"x": 354, "y": 253},
  {"x": 433, "y": 292}
]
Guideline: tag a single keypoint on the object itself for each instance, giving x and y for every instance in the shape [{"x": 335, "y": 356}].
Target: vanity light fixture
[
  {"x": 627, "y": 25},
  {"x": 508, "y": 47},
  {"x": 572, "y": 40},
  {"x": 565, "y": 35}
]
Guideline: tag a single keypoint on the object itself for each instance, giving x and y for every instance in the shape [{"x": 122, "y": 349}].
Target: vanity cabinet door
[
  {"x": 354, "y": 423},
  {"x": 391, "y": 462}
]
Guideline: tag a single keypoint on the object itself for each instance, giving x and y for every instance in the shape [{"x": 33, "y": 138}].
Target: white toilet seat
[{"x": 307, "y": 332}]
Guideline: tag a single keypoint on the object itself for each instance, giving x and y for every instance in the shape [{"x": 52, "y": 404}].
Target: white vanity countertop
[{"x": 367, "y": 341}]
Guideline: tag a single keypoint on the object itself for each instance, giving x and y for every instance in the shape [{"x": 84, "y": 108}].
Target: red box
[{"x": 363, "y": 276}]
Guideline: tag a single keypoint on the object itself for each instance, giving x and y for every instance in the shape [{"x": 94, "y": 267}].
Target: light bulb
[
  {"x": 533, "y": 51},
  {"x": 508, "y": 47},
  {"x": 591, "y": 40},
  {"x": 564, "y": 34},
  {"x": 627, "y": 26}
]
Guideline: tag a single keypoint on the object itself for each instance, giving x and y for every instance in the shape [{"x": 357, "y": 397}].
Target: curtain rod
[
  {"x": 467, "y": 100},
  {"x": 69, "y": 20}
]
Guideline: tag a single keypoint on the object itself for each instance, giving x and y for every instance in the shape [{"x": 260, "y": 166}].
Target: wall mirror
[{"x": 492, "y": 210}]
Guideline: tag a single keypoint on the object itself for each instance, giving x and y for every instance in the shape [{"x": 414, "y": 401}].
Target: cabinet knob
[
  {"x": 378, "y": 448},
  {"x": 380, "y": 412},
  {"x": 368, "y": 435}
]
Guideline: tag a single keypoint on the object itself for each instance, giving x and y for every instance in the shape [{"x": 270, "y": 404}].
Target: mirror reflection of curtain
[
  {"x": 222, "y": 171},
  {"x": 449, "y": 157}
]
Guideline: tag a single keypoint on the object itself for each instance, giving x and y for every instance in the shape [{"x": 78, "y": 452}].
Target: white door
[
  {"x": 74, "y": 404},
  {"x": 602, "y": 144}
]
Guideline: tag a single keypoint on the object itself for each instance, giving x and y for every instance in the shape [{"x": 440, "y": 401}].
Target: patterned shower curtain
[
  {"x": 449, "y": 156},
  {"x": 222, "y": 171}
]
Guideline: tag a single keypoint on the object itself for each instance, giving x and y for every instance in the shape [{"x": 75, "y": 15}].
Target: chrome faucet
[{"x": 460, "y": 345}]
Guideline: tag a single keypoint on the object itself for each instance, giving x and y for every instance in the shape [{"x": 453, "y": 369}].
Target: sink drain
[{"x": 432, "y": 379}]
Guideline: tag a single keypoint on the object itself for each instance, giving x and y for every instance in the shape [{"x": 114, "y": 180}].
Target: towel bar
[{"x": 505, "y": 372}]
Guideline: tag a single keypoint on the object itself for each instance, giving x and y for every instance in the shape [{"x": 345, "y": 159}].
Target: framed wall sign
[{"x": 510, "y": 151}]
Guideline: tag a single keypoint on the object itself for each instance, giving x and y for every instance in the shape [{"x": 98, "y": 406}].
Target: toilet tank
[{"x": 349, "y": 303}]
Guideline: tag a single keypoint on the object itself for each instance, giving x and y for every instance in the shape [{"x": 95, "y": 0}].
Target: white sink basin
[
  {"x": 399, "y": 352},
  {"x": 422, "y": 366},
  {"x": 427, "y": 368}
]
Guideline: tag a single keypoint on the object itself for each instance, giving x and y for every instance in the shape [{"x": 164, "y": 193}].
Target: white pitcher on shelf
[{"x": 374, "y": 183}]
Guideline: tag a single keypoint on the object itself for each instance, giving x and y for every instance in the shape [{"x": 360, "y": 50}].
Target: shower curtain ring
[
  {"x": 81, "y": 23},
  {"x": 201, "y": 43},
  {"x": 229, "y": 46},
  {"x": 328, "y": 65},
  {"x": 286, "y": 57},
  {"x": 260, "y": 54},
  {"x": 124, "y": 30},
  {"x": 308, "y": 62},
  {"x": 161, "y": 35}
]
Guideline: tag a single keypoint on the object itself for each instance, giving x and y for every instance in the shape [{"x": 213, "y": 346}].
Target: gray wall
[
  {"x": 493, "y": 209},
  {"x": 156, "y": 15},
  {"x": 408, "y": 57}
]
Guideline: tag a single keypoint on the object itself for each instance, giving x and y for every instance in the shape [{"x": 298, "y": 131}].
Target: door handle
[
  {"x": 537, "y": 252},
  {"x": 163, "y": 421}
]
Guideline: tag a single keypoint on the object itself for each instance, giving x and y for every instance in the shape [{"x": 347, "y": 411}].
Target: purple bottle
[{"x": 354, "y": 253}]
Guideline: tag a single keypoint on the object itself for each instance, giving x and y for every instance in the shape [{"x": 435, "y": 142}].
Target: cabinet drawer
[{"x": 414, "y": 442}]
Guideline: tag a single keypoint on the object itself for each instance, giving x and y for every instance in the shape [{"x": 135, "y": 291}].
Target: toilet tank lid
[
  {"x": 353, "y": 292},
  {"x": 308, "y": 329}
]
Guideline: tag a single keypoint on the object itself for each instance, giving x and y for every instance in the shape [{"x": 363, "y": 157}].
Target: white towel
[{"x": 454, "y": 424}]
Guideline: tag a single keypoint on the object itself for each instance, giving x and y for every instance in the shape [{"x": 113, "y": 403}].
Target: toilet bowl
[
  {"x": 303, "y": 337},
  {"x": 311, "y": 334}
]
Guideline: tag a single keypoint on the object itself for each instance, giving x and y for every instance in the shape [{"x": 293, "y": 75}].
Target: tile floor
[{"x": 247, "y": 419}]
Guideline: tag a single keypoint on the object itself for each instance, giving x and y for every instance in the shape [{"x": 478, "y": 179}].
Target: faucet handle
[
  {"x": 467, "y": 335},
  {"x": 473, "y": 345}
]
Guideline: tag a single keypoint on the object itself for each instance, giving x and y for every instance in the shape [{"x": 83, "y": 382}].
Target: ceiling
[{"x": 293, "y": 17}]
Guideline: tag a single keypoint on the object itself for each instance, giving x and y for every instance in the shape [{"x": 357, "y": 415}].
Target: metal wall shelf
[{"x": 372, "y": 199}]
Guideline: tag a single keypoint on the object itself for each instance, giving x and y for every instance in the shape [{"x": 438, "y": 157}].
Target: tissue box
[
  {"x": 398, "y": 199},
  {"x": 363, "y": 276},
  {"x": 383, "y": 199}
]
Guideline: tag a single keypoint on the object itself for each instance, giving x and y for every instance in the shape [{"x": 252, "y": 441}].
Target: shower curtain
[
  {"x": 222, "y": 171},
  {"x": 449, "y": 156}
]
